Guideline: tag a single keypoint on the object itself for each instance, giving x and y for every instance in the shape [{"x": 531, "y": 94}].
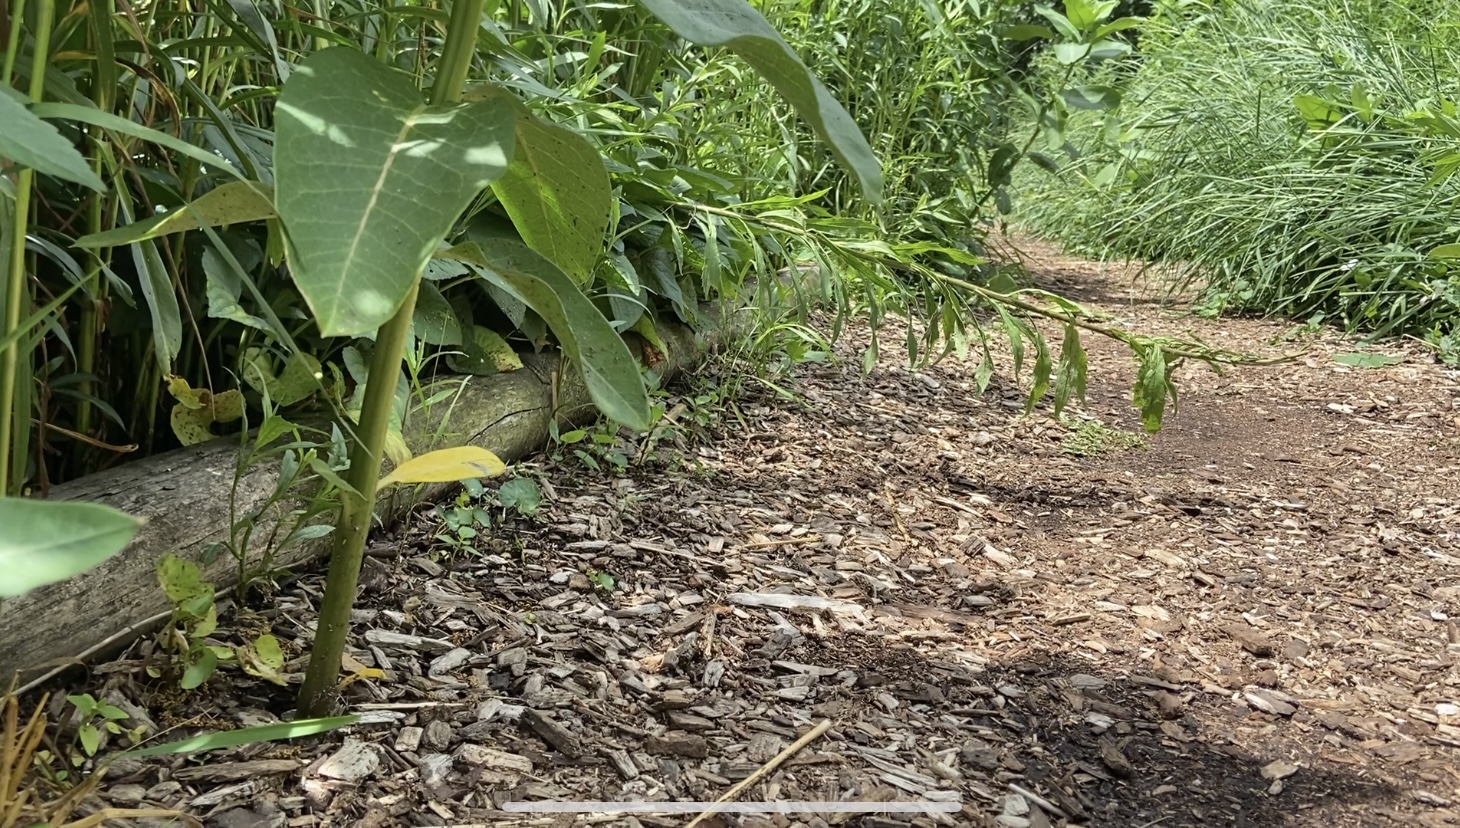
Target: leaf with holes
[{"x": 369, "y": 179}]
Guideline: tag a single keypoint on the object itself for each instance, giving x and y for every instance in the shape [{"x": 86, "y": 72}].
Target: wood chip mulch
[{"x": 1248, "y": 622}]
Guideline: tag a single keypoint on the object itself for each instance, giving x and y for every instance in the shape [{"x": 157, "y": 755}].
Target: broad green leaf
[
  {"x": 1360, "y": 360},
  {"x": 447, "y": 466},
  {"x": 1061, "y": 23},
  {"x": 232, "y": 203},
  {"x": 521, "y": 494},
  {"x": 434, "y": 321},
  {"x": 612, "y": 376},
  {"x": 1028, "y": 31},
  {"x": 47, "y": 541},
  {"x": 1117, "y": 25},
  {"x": 1092, "y": 97},
  {"x": 31, "y": 142},
  {"x": 181, "y": 580},
  {"x": 224, "y": 289},
  {"x": 369, "y": 180},
  {"x": 1071, "y": 53},
  {"x": 246, "y": 736},
  {"x": 556, "y": 191},
  {"x": 1446, "y": 251},
  {"x": 300, "y": 378},
  {"x": 199, "y": 671},
  {"x": 737, "y": 26},
  {"x": 1108, "y": 49}
]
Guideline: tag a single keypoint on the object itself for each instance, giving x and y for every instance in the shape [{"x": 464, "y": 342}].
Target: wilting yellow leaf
[{"x": 447, "y": 466}]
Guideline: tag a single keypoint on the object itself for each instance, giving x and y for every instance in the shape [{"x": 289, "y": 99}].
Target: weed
[{"x": 1091, "y": 438}]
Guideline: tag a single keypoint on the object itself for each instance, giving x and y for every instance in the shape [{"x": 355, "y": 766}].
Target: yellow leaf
[
  {"x": 447, "y": 466},
  {"x": 179, "y": 388},
  {"x": 191, "y": 425},
  {"x": 396, "y": 449},
  {"x": 227, "y": 406}
]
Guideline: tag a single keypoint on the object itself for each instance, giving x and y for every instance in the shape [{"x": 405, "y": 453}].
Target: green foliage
[
  {"x": 95, "y": 720},
  {"x": 188, "y": 638},
  {"x": 47, "y": 542},
  {"x": 370, "y": 179},
  {"x": 1091, "y": 438},
  {"x": 1292, "y": 158},
  {"x": 521, "y": 495}
]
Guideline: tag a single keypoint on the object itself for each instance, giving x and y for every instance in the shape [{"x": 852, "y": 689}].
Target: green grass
[{"x": 1293, "y": 158}]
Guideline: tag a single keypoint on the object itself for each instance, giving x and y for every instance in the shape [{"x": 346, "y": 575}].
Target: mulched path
[{"x": 1246, "y": 622}]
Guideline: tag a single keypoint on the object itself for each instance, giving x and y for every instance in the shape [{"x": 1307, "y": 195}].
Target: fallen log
[{"x": 184, "y": 497}]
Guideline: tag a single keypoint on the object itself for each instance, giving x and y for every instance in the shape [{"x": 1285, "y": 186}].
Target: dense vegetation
[
  {"x": 233, "y": 222},
  {"x": 714, "y": 183},
  {"x": 1288, "y": 157}
]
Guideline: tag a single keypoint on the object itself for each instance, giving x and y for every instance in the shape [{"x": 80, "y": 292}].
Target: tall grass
[{"x": 1293, "y": 157}]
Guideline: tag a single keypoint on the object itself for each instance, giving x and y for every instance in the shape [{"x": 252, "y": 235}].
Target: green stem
[
  {"x": 103, "y": 93},
  {"x": 317, "y": 695},
  {"x": 16, "y": 281}
]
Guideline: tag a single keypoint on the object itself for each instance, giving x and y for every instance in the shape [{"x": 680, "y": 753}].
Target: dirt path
[{"x": 1244, "y": 623}]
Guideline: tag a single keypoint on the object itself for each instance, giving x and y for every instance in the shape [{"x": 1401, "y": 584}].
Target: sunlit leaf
[
  {"x": 369, "y": 179},
  {"x": 447, "y": 466},
  {"x": 556, "y": 190},
  {"x": 737, "y": 26}
]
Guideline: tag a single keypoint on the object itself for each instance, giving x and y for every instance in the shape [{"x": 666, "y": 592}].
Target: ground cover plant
[{"x": 1293, "y": 158}]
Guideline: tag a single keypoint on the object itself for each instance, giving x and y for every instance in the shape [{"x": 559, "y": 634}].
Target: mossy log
[{"x": 184, "y": 497}]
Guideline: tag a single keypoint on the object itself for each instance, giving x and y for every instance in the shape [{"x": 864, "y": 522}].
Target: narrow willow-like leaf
[
  {"x": 89, "y": 114},
  {"x": 1152, "y": 381},
  {"x": 1072, "y": 370},
  {"x": 1043, "y": 366},
  {"x": 231, "y": 203},
  {"x": 246, "y": 736},
  {"x": 31, "y": 142},
  {"x": 369, "y": 180},
  {"x": 738, "y": 27}
]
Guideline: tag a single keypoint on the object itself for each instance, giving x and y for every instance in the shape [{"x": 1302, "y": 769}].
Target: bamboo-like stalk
[
  {"x": 317, "y": 694},
  {"x": 14, "y": 417}
]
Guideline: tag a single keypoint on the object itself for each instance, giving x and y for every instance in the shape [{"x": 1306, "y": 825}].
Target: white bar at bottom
[{"x": 921, "y": 807}]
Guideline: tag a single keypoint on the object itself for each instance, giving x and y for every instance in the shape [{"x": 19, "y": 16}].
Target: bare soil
[{"x": 1248, "y": 621}]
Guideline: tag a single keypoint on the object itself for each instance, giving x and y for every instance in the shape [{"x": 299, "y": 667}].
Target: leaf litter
[{"x": 1248, "y": 620}]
